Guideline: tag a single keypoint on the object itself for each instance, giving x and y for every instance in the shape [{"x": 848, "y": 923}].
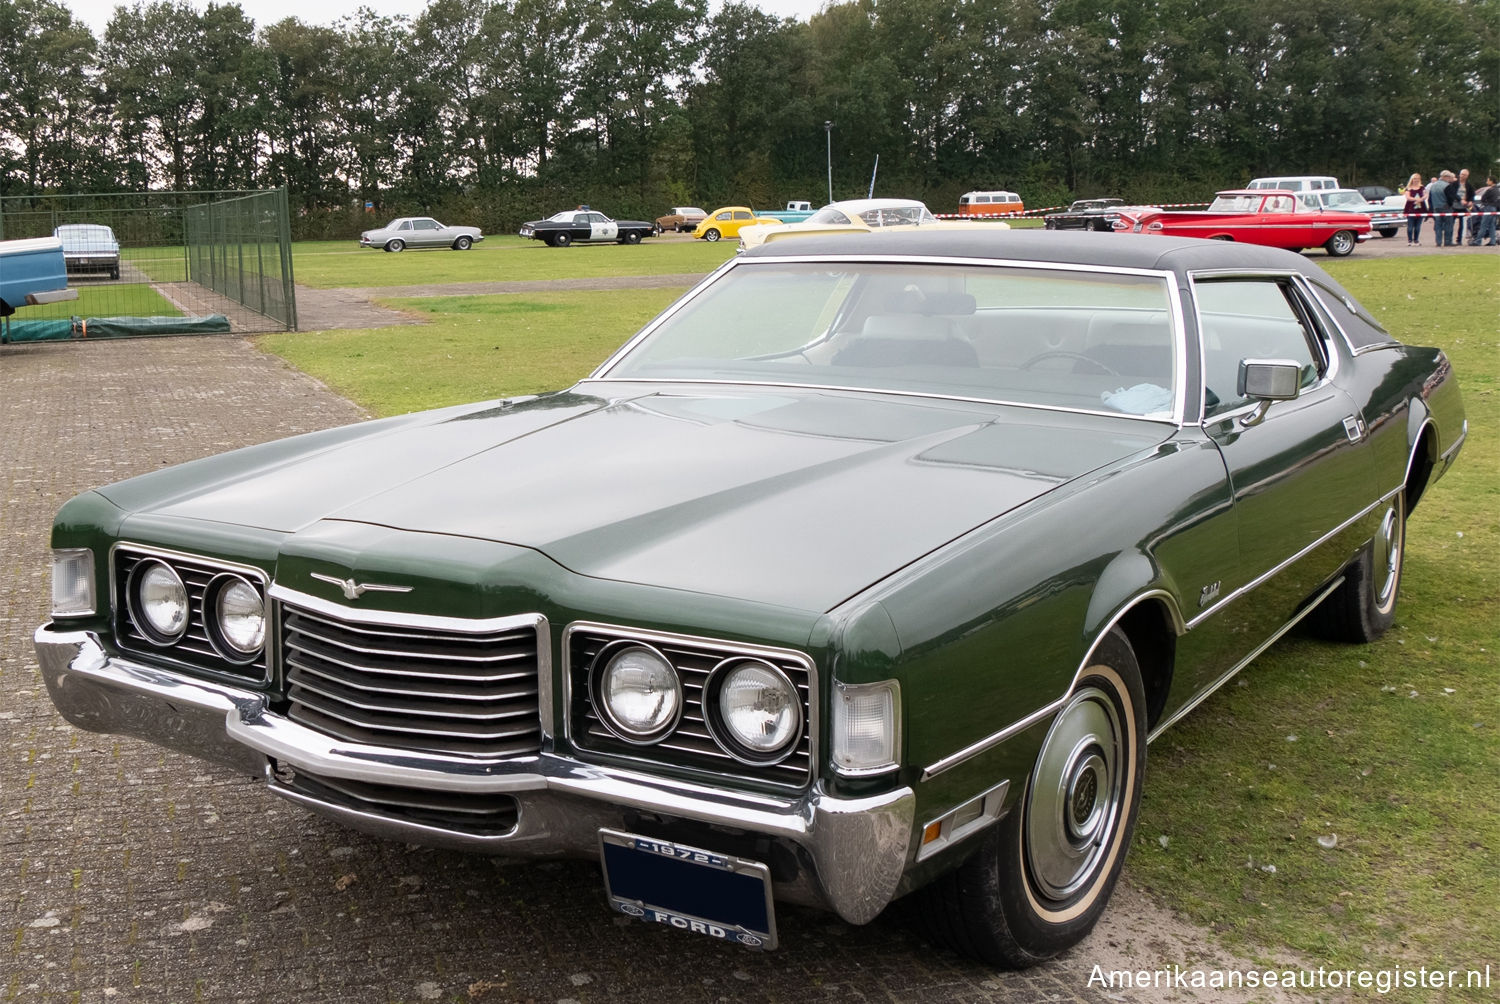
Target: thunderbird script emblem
[{"x": 354, "y": 590}]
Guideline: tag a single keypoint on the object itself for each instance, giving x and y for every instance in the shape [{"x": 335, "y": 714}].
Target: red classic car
[{"x": 1278, "y": 219}]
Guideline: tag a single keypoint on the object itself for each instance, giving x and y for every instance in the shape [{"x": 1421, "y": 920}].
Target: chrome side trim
[
  {"x": 1262, "y": 578},
  {"x": 1041, "y": 714},
  {"x": 1165, "y": 723}
]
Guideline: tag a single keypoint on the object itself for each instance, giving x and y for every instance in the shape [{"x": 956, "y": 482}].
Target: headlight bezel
[
  {"x": 725, "y": 734},
  {"x": 598, "y": 676},
  {"x": 214, "y": 617},
  {"x": 135, "y": 602}
]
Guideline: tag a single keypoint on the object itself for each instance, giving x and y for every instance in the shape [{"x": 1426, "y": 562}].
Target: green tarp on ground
[{"x": 110, "y": 327}]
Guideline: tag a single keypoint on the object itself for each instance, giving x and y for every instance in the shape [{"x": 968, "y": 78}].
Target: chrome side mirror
[{"x": 1267, "y": 380}]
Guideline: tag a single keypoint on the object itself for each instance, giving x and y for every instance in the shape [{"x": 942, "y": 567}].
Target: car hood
[{"x": 796, "y": 498}]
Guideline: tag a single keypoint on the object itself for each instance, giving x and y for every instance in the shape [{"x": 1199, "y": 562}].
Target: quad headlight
[
  {"x": 238, "y": 624},
  {"x": 158, "y": 602},
  {"x": 756, "y": 712},
  {"x": 637, "y": 691}
]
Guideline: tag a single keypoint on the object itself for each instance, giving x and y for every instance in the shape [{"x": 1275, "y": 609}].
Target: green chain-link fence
[{"x": 182, "y": 259}]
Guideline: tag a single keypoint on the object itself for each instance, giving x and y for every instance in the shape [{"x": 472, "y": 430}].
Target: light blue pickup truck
[
  {"x": 32, "y": 272},
  {"x": 796, "y": 211}
]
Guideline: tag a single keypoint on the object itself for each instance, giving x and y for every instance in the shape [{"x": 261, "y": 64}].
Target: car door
[
  {"x": 602, "y": 228},
  {"x": 1300, "y": 471},
  {"x": 426, "y": 233}
]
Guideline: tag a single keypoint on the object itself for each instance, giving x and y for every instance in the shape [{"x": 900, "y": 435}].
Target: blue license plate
[{"x": 690, "y": 888}]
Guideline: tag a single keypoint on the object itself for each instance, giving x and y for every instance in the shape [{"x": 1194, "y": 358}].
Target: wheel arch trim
[{"x": 1043, "y": 713}]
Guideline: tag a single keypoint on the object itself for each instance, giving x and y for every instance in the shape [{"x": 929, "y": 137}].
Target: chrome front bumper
[{"x": 855, "y": 849}]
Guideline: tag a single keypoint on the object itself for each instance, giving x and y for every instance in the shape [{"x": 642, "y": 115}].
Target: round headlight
[
  {"x": 239, "y": 616},
  {"x": 159, "y": 602},
  {"x": 638, "y": 692},
  {"x": 759, "y": 710}
]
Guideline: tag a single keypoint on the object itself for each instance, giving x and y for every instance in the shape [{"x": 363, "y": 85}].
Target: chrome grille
[
  {"x": 470, "y": 691},
  {"x": 691, "y": 744},
  {"x": 194, "y": 649}
]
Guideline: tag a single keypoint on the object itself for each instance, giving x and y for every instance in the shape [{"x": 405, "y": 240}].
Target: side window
[
  {"x": 722, "y": 216},
  {"x": 406, "y": 225},
  {"x": 742, "y": 215},
  {"x": 1310, "y": 201},
  {"x": 1249, "y": 319}
]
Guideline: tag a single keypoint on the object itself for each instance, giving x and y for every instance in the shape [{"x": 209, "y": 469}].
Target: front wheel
[
  {"x": 1364, "y": 604},
  {"x": 395, "y": 246},
  {"x": 1388, "y": 231},
  {"x": 561, "y": 240},
  {"x": 712, "y": 234},
  {"x": 1040, "y": 880},
  {"x": 1341, "y": 243},
  {"x": 463, "y": 243},
  {"x": 630, "y": 237}
]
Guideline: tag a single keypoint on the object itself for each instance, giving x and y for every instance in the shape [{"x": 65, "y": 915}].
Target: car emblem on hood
[{"x": 354, "y": 590}]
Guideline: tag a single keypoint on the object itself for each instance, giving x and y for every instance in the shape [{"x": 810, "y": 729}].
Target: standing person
[
  {"x": 1487, "y": 201},
  {"x": 1416, "y": 205},
  {"x": 1463, "y": 204},
  {"x": 1437, "y": 204}
]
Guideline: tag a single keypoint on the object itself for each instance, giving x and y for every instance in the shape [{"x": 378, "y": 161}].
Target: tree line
[{"x": 496, "y": 111}]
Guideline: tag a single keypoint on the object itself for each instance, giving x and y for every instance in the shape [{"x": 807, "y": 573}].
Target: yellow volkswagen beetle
[{"x": 726, "y": 222}]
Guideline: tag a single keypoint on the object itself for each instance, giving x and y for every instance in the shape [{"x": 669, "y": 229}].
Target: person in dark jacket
[
  {"x": 1463, "y": 204},
  {"x": 1438, "y": 204},
  {"x": 1487, "y": 202}
]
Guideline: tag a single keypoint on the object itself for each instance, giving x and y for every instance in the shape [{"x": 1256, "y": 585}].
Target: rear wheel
[
  {"x": 394, "y": 246},
  {"x": 711, "y": 234},
  {"x": 463, "y": 243},
  {"x": 1341, "y": 243},
  {"x": 1364, "y": 604},
  {"x": 1041, "y": 878}
]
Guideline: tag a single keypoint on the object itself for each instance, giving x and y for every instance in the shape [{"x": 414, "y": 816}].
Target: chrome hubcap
[
  {"x": 1388, "y": 558},
  {"x": 1076, "y": 794}
]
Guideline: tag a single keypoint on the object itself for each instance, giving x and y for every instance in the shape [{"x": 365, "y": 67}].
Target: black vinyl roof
[{"x": 1144, "y": 251}]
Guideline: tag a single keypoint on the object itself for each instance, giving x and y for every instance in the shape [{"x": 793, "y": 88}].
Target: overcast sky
[{"x": 96, "y": 13}]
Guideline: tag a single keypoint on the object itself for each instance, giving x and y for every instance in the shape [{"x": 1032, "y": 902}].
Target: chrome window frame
[
  {"x": 1168, "y": 278},
  {"x": 1297, "y": 282}
]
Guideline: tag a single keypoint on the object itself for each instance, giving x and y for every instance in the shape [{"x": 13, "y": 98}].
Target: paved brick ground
[{"x": 130, "y": 873}]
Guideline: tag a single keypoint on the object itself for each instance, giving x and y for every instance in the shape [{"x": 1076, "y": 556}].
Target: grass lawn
[
  {"x": 474, "y": 347},
  {"x": 334, "y": 264},
  {"x": 105, "y": 300},
  {"x": 1388, "y": 752}
]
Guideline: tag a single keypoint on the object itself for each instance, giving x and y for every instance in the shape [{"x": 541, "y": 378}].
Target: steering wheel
[{"x": 1065, "y": 354}]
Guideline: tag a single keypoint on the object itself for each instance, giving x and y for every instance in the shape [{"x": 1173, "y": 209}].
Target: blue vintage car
[{"x": 32, "y": 272}]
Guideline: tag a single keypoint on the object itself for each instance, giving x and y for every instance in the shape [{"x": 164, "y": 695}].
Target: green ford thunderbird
[{"x": 868, "y": 569}]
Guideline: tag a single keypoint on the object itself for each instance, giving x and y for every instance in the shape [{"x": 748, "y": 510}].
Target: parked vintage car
[
  {"x": 1085, "y": 214},
  {"x": 953, "y": 523},
  {"x": 679, "y": 219},
  {"x": 583, "y": 225},
  {"x": 727, "y": 221},
  {"x": 856, "y": 216},
  {"x": 420, "y": 232},
  {"x": 1294, "y": 183},
  {"x": 1274, "y": 218},
  {"x": 89, "y": 248},
  {"x": 1384, "y": 220}
]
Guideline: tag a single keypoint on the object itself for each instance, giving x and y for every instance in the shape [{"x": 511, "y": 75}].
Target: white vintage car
[{"x": 859, "y": 216}]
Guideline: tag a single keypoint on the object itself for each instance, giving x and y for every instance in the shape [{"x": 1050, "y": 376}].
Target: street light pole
[{"x": 828, "y": 131}]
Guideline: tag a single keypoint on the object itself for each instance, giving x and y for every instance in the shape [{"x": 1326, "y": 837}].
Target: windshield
[
  {"x": 1344, "y": 200},
  {"x": 1083, "y": 340}
]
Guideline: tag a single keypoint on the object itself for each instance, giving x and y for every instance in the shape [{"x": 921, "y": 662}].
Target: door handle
[{"x": 1354, "y": 428}]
